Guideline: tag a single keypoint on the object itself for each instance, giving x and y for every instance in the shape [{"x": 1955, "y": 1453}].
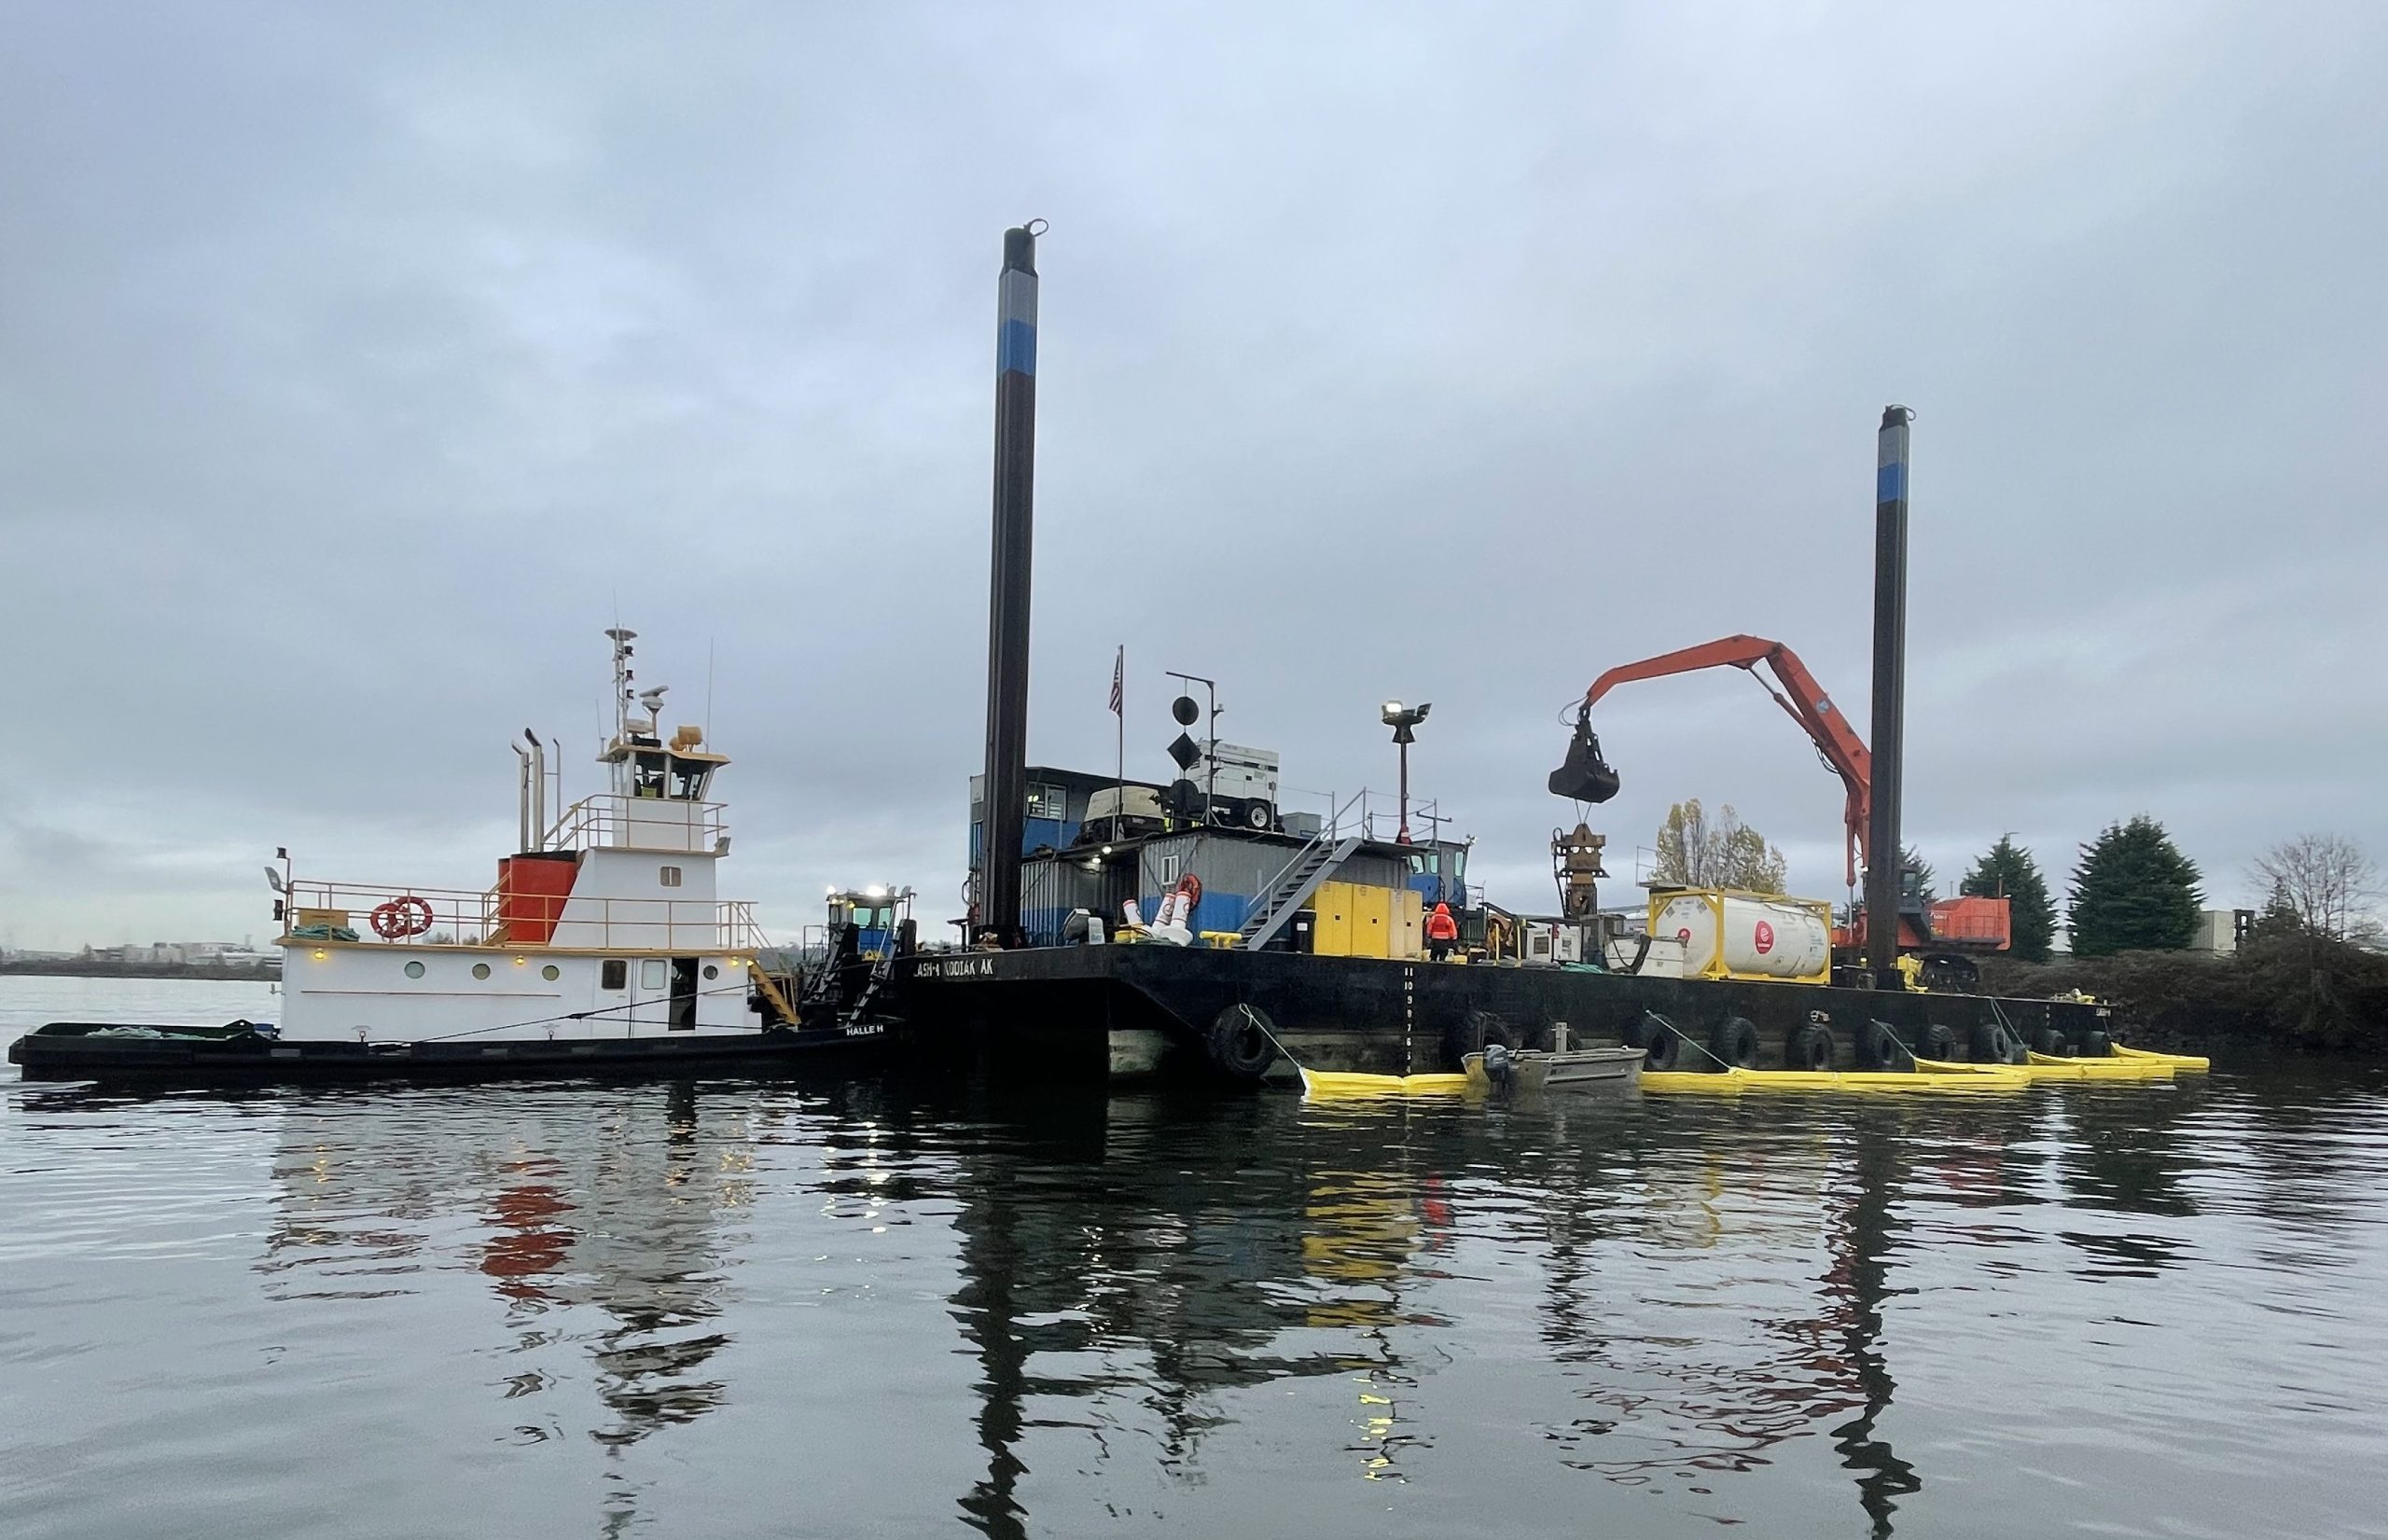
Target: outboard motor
[
  {"x": 1584, "y": 776},
  {"x": 1496, "y": 1065}
]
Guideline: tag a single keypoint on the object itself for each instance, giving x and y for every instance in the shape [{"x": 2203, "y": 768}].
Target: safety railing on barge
[{"x": 445, "y": 917}]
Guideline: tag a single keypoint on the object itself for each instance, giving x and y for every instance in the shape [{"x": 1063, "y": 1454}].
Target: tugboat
[{"x": 602, "y": 946}]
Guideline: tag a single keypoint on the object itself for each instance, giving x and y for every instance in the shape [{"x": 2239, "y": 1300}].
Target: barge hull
[
  {"x": 211, "y": 1056},
  {"x": 1063, "y": 1010}
]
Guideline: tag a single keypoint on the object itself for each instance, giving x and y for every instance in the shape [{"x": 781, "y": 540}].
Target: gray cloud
[{"x": 363, "y": 365}]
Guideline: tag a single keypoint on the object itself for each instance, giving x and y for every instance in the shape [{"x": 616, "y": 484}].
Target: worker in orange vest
[{"x": 1441, "y": 932}]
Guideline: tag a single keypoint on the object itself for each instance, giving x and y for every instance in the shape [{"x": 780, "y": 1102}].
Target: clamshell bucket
[{"x": 1585, "y": 776}]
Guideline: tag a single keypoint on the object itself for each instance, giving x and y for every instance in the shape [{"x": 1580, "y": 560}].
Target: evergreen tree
[
  {"x": 2133, "y": 891},
  {"x": 1915, "y": 875},
  {"x": 2007, "y": 870}
]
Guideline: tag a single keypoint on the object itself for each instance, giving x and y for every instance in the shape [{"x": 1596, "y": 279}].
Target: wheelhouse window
[
  {"x": 647, "y": 775},
  {"x": 1045, "y": 801},
  {"x": 687, "y": 778}
]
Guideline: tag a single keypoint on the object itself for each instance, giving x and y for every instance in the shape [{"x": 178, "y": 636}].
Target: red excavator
[{"x": 1942, "y": 931}]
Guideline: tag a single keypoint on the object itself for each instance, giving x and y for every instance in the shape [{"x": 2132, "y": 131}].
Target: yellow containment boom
[
  {"x": 2178, "y": 1061},
  {"x": 1929, "y": 1075},
  {"x": 1321, "y": 1084},
  {"x": 2047, "y": 1066}
]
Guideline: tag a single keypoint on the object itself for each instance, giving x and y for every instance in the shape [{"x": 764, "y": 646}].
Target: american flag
[{"x": 1118, "y": 668}]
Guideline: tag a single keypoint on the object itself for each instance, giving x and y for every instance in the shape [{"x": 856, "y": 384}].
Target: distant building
[{"x": 2220, "y": 931}]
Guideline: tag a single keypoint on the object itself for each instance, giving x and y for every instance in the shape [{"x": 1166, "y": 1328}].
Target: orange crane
[{"x": 1585, "y": 776}]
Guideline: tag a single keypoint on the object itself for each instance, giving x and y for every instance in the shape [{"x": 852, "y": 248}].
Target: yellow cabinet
[
  {"x": 1332, "y": 936},
  {"x": 1372, "y": 921},
  {"x": 1409, "y": 923},
  {"x": 1361, "y": 920}
]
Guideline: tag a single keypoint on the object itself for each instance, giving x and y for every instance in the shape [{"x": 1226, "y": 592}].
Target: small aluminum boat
[{"x": 1531, "y": 1070}]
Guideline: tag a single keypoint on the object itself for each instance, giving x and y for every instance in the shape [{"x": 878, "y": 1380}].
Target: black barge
[
  {"x": 241, "y": 1053},
  {"x": 1088, "y": 1012}
]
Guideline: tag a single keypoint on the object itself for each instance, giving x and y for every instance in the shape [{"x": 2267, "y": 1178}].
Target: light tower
[{"x": 1401, "y": 718}]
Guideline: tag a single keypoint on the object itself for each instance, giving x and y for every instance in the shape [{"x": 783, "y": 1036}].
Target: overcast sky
[{"x": 360, "y": 365}]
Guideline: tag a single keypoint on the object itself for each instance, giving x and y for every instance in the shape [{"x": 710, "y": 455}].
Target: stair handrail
[
  {"x": 1326, "y": 837},
  {"x": 1280, "y": 888}
]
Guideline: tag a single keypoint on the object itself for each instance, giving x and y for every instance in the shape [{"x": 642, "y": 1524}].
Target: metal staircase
[{"x": 1293, "y": 885}]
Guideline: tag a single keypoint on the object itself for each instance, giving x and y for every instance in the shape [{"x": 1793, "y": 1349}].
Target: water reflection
[
  {"x": 1326, "y": 1253},
  {"x": 621, "y": 1202},
  {"x": 1635, "y": 1297}
]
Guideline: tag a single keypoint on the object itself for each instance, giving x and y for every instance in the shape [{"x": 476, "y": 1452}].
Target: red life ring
[
  {"x": 401, "y": 918},
  {"x": 1191, "y": 886}
]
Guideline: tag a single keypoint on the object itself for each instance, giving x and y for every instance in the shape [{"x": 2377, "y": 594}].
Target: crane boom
[{"x": 1587, "y": 777}]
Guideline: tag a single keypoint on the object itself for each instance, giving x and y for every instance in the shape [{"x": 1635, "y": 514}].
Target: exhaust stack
[
  {"x": 1882, "y": 850},
  {"x": 1006, "y": 780}
]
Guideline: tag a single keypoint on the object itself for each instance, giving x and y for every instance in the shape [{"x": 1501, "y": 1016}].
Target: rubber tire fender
[
  {"x": 2096, "y": 1045},
  {"x": 1660, "y": 1044},
  {"x": 1735, "y": 1042},
  {"x": 1935, "y": 1042},
  {"x": 1991, "y": 1043},
  {"x": 1810, "y": 1047},
  {"x": 1879, "y": 1047},
  {"x": 2049, "y": 1041},
  {"x": 1479, "y": 1030},
  {"x": 1239, "y": 1043}
]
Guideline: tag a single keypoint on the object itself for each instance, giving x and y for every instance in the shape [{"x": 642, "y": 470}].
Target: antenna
[
  {"x": 709, "y": 640},
  {"x": 622, "y": 677}
]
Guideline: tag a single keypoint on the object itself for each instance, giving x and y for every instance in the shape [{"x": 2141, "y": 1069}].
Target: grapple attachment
[{"x": 1584, "y": 776}]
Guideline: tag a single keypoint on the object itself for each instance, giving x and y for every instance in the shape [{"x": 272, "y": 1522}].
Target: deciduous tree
[
  {"x": 2324, "y": 882},
  {"x": 1698, "y": 849}
]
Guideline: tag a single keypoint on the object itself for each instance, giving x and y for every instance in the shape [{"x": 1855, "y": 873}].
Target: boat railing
[
  {"x": 446, "y": 917},
  {"x": 611, "y": 821}
]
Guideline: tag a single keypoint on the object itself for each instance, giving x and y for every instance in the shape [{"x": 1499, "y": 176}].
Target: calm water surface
[{"x": 734, "y": 1309}]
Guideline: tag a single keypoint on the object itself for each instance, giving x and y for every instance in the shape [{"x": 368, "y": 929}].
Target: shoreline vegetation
[
  {"x": 2287, "y": 990},
  {"x": 76, "y": 967}
]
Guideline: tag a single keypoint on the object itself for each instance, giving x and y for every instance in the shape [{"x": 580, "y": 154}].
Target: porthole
[
  {"x": 414, "y": 970},
  {"x": 481, "y": 970},
  {"x": 551, "y": 973},
  {"x": 712, "y": 972}
]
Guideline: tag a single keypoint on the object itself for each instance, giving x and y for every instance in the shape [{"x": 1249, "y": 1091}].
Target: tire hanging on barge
[
  {"x": 1241, "y": 1043},
  {"x": 1810, "y": 1047},
  {"x": 1879, "y": 1047},
  {"x": 1481, "y": 1030},
  {"x": 1734, "y": 1044},
  {"x": 1991, "y": 1043},
  {"x": 1661, "y": 1044}
]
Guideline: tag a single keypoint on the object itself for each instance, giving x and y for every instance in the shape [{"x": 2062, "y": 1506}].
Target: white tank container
[{"x": 1734, "y": 936}]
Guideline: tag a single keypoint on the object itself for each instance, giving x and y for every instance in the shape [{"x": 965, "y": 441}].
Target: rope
[
  {"x": 1688, "y": 1039},
  {"x": 1261, "y": 1026},
  {"x": 1703, "y": 1048},
  {"x": 571, "y": 1015}
]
